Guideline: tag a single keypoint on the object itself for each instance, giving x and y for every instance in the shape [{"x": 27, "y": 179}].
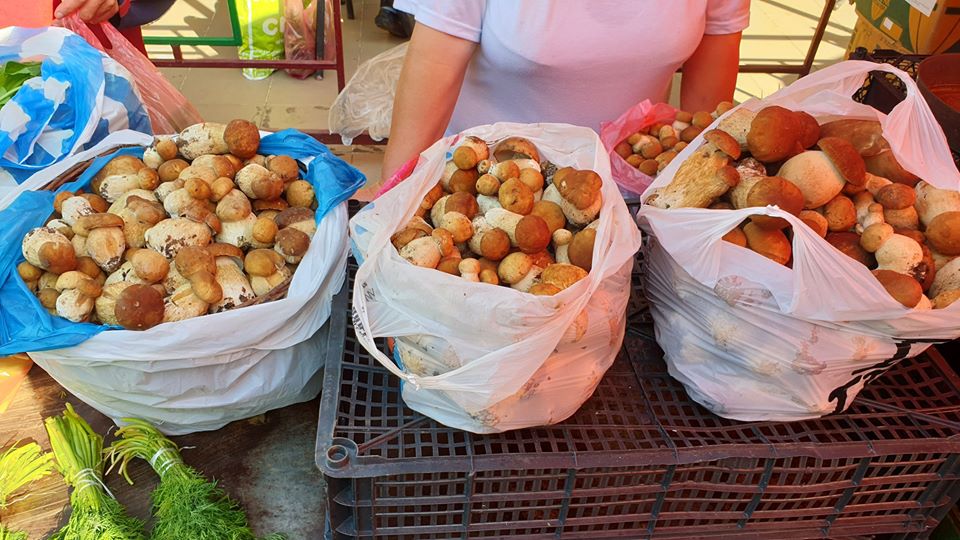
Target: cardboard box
[
  {"x": 904, "y": 22},
  {"x": 870, "y": 38}
]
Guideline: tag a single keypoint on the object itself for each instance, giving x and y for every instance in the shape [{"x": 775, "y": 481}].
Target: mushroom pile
[
  {"x": 842, "y": 181},
  {"x": 202, "y": 224},
  {"x": 502, "y": 216},
  {"x": 652, "y": 148}
]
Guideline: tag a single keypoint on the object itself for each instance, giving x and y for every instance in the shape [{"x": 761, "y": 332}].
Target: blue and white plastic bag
[{"x": 79, "y": 98}]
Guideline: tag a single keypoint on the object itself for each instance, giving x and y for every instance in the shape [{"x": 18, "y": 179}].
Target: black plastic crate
[
  {"x": 640, "y": 460},
  {"x": 882, "y": 90}
]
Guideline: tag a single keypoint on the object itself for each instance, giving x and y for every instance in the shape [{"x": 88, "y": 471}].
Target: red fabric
[{"x": 133, "y": 35}]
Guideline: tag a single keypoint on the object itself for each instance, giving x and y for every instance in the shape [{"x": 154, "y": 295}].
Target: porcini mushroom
[
  {"x": 46, "y": 248},
  {"x": 704, "y": 176},
  {"x": 78, "y": 293}
]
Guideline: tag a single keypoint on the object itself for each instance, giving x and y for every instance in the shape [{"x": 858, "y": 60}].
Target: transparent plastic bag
[
  {"x": 366, "y": 104},
  {"x": 640, "y": 116},
  {"x": 300, "y": 34},
  {"x": 753, "y": 340},
  {"x": 169, "y": 110}
]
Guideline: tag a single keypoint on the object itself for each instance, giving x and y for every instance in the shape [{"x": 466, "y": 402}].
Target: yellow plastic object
[{"x": 13, "y": 370}]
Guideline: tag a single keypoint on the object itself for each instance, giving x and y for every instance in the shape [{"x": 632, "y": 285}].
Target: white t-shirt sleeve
[
  {"x": 726, "y": 16},
  {"x": 459, "y": 18}
]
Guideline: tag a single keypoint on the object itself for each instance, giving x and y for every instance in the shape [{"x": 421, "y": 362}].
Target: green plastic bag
[{"x": 261, "y": 28}]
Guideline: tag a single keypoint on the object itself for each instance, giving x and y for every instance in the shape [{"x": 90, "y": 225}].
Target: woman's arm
[
  {"x": 710, "y": 75},
  {"x": 427, "y": 91}
]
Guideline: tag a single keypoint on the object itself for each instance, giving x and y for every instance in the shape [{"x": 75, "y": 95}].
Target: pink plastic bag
[
  {"x": 402, "y": 173},
  {"x": 641, "y": 115},
  {"x": 169, "y": 110},
  {"x": 300, "y": 33}
]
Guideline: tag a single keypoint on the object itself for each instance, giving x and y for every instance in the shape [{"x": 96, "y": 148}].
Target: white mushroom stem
[
  {"x": 561, "y": 245},
  {"x": 487, "y": 203},
  {"x": 899, "y": 253},
  {"x": 931, "y": 201},
  {"x": 501, "y": 218},
  {"x": 528, "y": 280},
  {"x": 423, "y": 252},
  {"x": 470, "y": 269}
]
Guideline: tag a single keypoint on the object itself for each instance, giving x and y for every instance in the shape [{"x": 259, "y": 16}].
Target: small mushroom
[
  {"x": 562, "y": 275},
  {"x": 821, "y": 174},
  {"x": 283, "y": 166},
  {"x": 242, "y": 139},
  {"x": 426, "y": 252},
  {"x": 266, "y": 269},
  {"x": 73, "y": 207},
  {"x": 932, "y": 201},
  {"x": 469, "y": 269},
  {"x": 415, "y": 228},
  {"x": 533, "y": 234},
  {"x": 300, "y": 193},
  {"x": 237, "y": 219},
  {"x": 505, "y": 220},
  {"x": 114, "y": 186},
  {"x": 125, "y": 165},
  {"x": 551, "y": 213},
  {"x": 580, "y": 250},
  {"x": 78, "y": 293},
  {"x": 46, "y": 248},
  {"x": 469, "y": 152},
  {"x": 171, "y": 170},
  {"x": 516, "y": 197},
  {"x": 902, "y": 288},
  {"x": 257, "y": 182},
  {"x": 488, "y": 241},
  {"x": 561, "y": 244},
  {"x": 943, "y": 233},
  {"x": 105, "y": 241},
  {"x": 515, "y": 148},
  {"x": 139, "y": 307},
  {"x": 233, "y": 282},
  {"x": 577, "y": 192},
  {"x": 30, "y": 274},
  {"x": 106, "y": 304},
  {"x": 771, "y": 243}
]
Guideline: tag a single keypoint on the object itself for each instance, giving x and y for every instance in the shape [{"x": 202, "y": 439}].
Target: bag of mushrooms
[
  {"x": 802, "y": 245},
  {"x": 165, "y": 350},
  {"x": 508, "y": 312}
]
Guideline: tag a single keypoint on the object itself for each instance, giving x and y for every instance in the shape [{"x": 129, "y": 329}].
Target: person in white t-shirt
[{"x": 474, "y": 62}]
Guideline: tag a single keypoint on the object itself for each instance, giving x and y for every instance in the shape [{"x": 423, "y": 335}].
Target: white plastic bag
[
  {"x": 505, "y": 359},
  {"x": 201, "y": 374},
  {"x": 366, "y": 103},
  {"x": 754, "y": 340}
]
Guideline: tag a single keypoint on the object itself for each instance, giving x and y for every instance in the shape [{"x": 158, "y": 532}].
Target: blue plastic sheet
[
  {"x": 80, "y": 96},
  {"x": 26, "y": 326}
]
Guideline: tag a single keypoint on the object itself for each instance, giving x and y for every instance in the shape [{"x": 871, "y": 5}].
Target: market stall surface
[{"x": 266, "y": 463}]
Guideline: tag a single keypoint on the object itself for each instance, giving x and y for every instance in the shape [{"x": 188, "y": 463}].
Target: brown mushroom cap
[
  {"x": 139, "y": 307},
  {"x": 292, "y": 242},
  {"x": 221, "y": 249},
  {"x": 300, "y": 193},
  {"x": 943, "y": 233},
  {"x": 776, "y": 191},
  {"x": 29, "y": 272},
  {"x": 532, "y": 234},
  {"x": 191, "y": 260},
  {"x": 284, "y": 166},
  {"x": 98, "y": 203},
  {"x": 170, "y": 170},
  {"x": 514, "y": 267},
  {"x": 89, "y": 222},
  {"x": 150, "y": 265},
  {"x": 848, "y": 243},
  {"x": 551, "y": 213},
  {"x": 809, "y": 129},
  {"x": 260, "y": 205},
  {"x": 771, "y": 243},
  {"x": 866, "y": 136},
  {"x": 242, "y": 138},
  {"x": 57, "y": 257},
  {"x": 465, "y": 157},
  {"x": 462, "y": 202},
  {"x": 580, "y": 188},
  {"x": 488, "y": 184},
  {"x": 901, "y": 287},
  {"x": 514, "y": 148},
  {"x": 495, "y": 244},
  {"x": 265, "y": 230},
  {"x": 464, "y": 180},
  {"x": 262, "y": 262},
  {"x": 290, "y": 216},
  {"x": 875, "y": 235},
  {"x": 840, "y": 213},
  {"x": 544, "y": 289},
  {"x": 450, "y": 265},
  {"x": 516, "y": 197},
  {"x": 885, "y": 164},
  {"x": 722, "y": 140},
  {"x": 166, "y": 148},
  {"x": 234, "y": 206},
  {"x": 562, "y": 275},
  {"x": 532, "y": 178},
  {"x": 896, "y": 196},
  {"x": 580, "y": 250},
  {"x": 736, "y": 236},
  {"x": 845, "y": 158},
  {"x": 774, "y": 134},
  {"x": 943, "y": 299}
]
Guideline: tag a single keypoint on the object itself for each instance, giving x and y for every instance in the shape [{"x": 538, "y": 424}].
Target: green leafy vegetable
[
  {"x": 185, "y": 504},
  {"x": 96, "y": 515},
  {"x": 19, "y": 466},
  {"x": 12, "y": 77}
]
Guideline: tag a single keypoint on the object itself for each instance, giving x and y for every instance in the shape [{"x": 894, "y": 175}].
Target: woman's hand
[
  {"x": 710, "y": 75},
  {"x": 91, "y": 11},
  {"x": 427, "y": 92}
]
